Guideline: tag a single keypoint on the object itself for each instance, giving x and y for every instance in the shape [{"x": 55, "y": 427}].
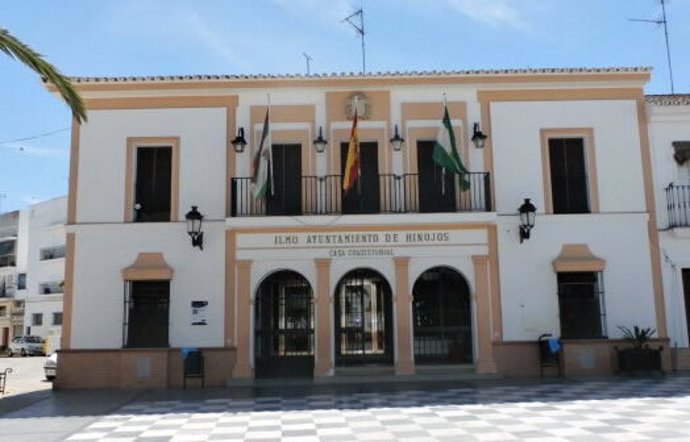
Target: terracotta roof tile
[
  {"x": 350, "y": 75},
  {"x": 669, "y": 99}
]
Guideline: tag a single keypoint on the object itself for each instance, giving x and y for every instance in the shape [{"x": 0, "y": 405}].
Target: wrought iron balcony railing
[
  {"x": 408, "y": 193},
  {"x": 678, "y": 205}
]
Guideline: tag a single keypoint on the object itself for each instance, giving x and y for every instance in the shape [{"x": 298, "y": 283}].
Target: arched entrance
[
  {"x": 442, "y": 318},
  {"x": 284, "y": 326},
  {"x": 363, "y": 319}
]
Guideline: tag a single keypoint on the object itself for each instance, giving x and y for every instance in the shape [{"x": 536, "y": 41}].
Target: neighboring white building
[
  {"x": 669, "y": 131},
  {"x": 407, "y": 270},
  {"x": 44, "y": 268},
  {"x": 11, "y": 308}
]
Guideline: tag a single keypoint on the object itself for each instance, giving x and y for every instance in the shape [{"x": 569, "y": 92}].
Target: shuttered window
[
  {"x": 153, "y": 184},
  {"x": 568, "y": 175}
]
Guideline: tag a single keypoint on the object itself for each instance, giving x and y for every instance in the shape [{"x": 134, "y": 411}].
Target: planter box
[{"x": 639, "y": 360}]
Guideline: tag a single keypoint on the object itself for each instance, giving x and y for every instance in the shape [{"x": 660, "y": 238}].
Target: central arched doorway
[
  {"x": 363, "y": 319},
  {"x": 442, "y": 318},
  {"x": 284, "y": 327}
]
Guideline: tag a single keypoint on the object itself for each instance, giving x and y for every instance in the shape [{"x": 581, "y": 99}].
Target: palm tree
[{"x": 13, "y": 47}]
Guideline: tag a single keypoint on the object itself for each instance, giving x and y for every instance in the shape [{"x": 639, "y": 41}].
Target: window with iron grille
[
  {"x": 581, "y": 305},
  {"x": 57, "y": 318},
  {"x": 569, "y": 191},
  {"x": 50, "y": 288},
  {"x": 147, "y": 305},
  {"x": 55, "y": 252}
]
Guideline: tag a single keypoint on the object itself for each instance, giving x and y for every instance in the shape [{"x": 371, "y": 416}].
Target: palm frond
[{"x": 14, "y": 48}]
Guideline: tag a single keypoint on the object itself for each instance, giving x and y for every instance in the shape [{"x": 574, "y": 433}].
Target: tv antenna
[
  {"x": 307, "y": 58},
  {"x": 360, "y": 30},
  {"x": 658, "y": 22}
]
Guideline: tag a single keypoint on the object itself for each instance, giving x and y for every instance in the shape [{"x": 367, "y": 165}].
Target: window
[
  {"x": 7, "y": 253},
  {"x": 57, "y": 318},
  {"x": 21, "y": 281},
  {"x": 152, "y": 189},
  {"x": 50, "y": 288},
  {"x": 568, "y": 175},
  {"x": 56, "y": 252},
  {"x": 581, "y": 305},
  {"x": 147, "y": 314},
  {"x": 37, "y": 319},
  {"x": 3, "y": 311}
]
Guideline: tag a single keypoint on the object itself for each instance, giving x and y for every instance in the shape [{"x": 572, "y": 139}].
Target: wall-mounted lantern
[
  {"x": 397, "y": 141},
  {"x": 239, "y": 143},
  {"x": 527, "y": 215},
  {"x": 320, "y": 142},
  {"x": 194, "y": 221},
  {"x": 478, "y": 137}
]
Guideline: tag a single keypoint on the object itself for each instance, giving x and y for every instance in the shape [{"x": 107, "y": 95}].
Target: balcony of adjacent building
[
  {"x": 678, "y": 205},
  {"x": 373, "y": 194}
]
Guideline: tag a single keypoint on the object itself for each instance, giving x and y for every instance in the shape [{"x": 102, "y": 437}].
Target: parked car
[
  {"x": 26, "y": 345},
  {"x": 50, "y": 366}
]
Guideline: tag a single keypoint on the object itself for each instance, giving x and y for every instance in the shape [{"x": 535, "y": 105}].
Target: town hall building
[{"x": 550, "y": 228}]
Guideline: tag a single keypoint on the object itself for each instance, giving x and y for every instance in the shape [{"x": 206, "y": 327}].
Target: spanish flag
[{"x": 352, "y": 172}]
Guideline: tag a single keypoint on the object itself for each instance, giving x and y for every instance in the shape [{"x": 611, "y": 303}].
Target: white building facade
[
  {"x": 669, "y": 132},
  {"x": 42, "y": 234},
  {"x": 411, "y": 268}
]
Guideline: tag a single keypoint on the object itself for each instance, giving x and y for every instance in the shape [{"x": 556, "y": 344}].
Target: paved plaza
[{"x": 656, "y": 409}]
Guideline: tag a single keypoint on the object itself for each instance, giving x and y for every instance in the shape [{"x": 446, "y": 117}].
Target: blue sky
[{"x": 163, "y": 37}]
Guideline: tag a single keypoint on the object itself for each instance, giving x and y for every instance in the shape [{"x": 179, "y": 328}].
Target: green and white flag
[
  {"x": 446, "y": 152},
  {"x": 262, "y": 165}
]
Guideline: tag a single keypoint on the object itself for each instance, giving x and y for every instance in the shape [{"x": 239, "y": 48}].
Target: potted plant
[{"x": 639, "y": 357}]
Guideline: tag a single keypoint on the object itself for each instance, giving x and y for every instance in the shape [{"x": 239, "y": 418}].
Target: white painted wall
[
  {"x": 103, "y": 149},
  {"x": 102, "y": 251},
  {"x": 668, "y": 124},
  {"x": 515, "y": 128},
  {"x": 528, "y": 282}
]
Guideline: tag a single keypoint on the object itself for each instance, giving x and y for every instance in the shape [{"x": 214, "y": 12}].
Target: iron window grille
[
  {"x": 146, "y": 316},
  {"x": 582, "y": 305},
  {"x": 50, "y": 288},
  {"x": 54, "y": 252}
]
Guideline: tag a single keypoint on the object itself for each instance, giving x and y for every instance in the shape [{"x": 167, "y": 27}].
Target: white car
[
  {"x": 26, "y": 345},
  {"x": 50, "y": 366}
]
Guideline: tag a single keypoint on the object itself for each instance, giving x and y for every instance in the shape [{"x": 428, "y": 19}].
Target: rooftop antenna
[
  {"x": 658, "y": 22},
  {"x": 360, "y": 30},
  {"x": 307, "y": 58},
  {"x": 2, "y": 197}
]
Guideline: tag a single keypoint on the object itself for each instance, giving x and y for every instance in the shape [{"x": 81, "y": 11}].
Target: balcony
[
  {"x": 408, "y": 193},
  {"x": 678, "y": 205}
]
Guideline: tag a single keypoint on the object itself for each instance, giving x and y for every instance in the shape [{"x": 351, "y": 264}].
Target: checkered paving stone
[{"x": 617, "y": 410}]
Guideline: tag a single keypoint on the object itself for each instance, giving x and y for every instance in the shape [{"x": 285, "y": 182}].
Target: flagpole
[
  {"x": 359, "y": 163},
  {"x": 443, "y": 169},
  {"x": 270, "y": 147}
]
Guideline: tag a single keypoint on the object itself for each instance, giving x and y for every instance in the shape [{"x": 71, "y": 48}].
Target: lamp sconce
[
  {"x": 194, "y": 221},
  {"x": 320, "y": 142},
  {"x": 239, "y": 143},
  {"x": 478, "y": 137},
  {"x": 527, "y": 215},
  {"x": 397, "y": 141}
]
